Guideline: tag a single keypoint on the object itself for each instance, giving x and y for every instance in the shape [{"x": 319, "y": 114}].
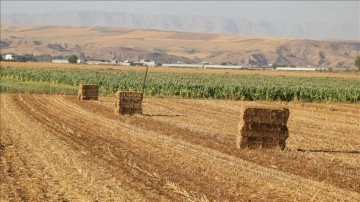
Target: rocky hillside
[{"x": 170, "y": 46}]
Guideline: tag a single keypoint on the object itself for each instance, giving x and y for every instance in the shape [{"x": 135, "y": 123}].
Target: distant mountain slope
[
  {"x": 219, "y": 25},
  {"x": 169, "y": 46}
]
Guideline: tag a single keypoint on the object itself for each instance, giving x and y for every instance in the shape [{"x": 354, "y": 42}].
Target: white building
[
  {"x": 125, "y": 63},
  {"x": 81, "y": 60},
  {"x": 67, "y": 61},
  {"x": 148, "y": 63},
  {"x": 60, "y": 61},
  {"x": 183, "y": 65},
  {"x": 296, "y": 69},
  {"x": 9, "y": 57},
  {"x": 223, "y": 67}
]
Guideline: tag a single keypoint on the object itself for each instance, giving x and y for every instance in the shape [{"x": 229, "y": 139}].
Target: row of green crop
[
  {"x": 12, "y": 85},
  {"x": 239, "y": 87}
]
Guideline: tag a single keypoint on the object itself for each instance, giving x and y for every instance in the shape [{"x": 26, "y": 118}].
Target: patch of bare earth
[{"x": 60, "y": 148}]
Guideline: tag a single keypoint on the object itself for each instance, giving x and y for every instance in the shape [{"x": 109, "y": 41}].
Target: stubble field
[{"x": 57, "y": 148}]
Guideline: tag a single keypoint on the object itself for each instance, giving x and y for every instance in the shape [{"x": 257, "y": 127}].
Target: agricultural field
[
  {"x": 54, "y": 147},
  {"x": 203, "y": 84}
]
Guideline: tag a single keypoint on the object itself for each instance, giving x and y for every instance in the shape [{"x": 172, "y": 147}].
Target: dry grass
[
  {"x": 183, "y": 149},
  {"x": 189, "y": 196},
  {"x": 174, "y": 187}
]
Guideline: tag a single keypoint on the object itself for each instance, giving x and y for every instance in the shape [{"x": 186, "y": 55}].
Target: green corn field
[{"x": 207, "y": 86}]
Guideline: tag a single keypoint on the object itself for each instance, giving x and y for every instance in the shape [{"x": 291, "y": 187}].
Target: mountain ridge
[{"x": 171, "y": 46}]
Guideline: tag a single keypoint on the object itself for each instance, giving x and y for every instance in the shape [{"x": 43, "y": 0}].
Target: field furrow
[{"x": 178, "y": 150}]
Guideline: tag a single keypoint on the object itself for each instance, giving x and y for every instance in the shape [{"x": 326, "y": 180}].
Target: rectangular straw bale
[
  {"x": 131, "y": 105},
  {"x": 88, "y": 92},
  {"x": 278, "y": 116},
  {"x": 128, "y": 102},
  {"x": 129, "y": 111},
  {"x": 89, "y": 86},
  {"x": 129, "y": 98},
  {"x": 129, "y": 95},
  {"x": 261, "y": 142},
  {"x": 134, "y": 105},
  {"x": 281, "y": 135},
  {"x": 264, "y": 130},
  {"x": 262, "y": 127}
]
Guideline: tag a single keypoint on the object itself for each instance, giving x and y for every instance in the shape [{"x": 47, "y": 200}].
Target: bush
[
  {"x": 72, "y": 59},
  {"x": 357, "y": 62}
]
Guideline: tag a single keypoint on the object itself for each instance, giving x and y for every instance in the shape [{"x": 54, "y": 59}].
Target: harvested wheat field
[{"x": 59, "y": 148}]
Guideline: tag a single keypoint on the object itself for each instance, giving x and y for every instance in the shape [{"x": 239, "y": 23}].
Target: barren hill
[{"x": 165, "y": 46}]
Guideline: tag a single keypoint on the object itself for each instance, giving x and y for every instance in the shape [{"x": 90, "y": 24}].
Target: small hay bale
[
  {"x": 128, "y": 103},
  {"x": 88, "y": 92},
  {"x": 278, "y": 116},
  {"x": 263, "y": 128},
  {"x": 262, "y": 143}
]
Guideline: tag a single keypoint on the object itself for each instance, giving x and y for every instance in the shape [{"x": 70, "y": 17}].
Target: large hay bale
[
  {"x": 128, "y": 103},
  {"x": 263, "y": 128},
  {"x": 88, "y": 92}
]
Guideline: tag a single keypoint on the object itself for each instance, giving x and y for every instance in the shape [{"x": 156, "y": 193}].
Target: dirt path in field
[{"x": 59, "y": 148}]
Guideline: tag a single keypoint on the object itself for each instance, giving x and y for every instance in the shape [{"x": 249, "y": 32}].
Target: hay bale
[
  {"x": 88, "y": 92},
  {"x": 262, "y": 143},
  {"x": 263, "y": 128},
  {"x": 128, "y": 103},
  {"x": 278, "y": 116},
  {"x": 129, "y": 94}
]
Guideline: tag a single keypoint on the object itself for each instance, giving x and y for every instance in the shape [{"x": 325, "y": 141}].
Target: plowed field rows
[{"x": 57, "y": 148}]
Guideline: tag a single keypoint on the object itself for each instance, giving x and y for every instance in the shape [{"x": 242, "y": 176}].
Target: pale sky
[{"x": 338, "y": 12}]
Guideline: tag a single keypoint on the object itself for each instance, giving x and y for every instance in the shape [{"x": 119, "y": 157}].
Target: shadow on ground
[
  {"x": 165, "y": 115},
  {"x": 329, "y": 151}
]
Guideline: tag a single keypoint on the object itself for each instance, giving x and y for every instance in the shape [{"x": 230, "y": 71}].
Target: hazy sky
[{"x": 338, "y": 12}]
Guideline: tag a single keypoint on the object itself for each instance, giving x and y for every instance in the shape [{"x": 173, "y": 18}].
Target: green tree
[
  {"x": 25, "y": 58},
  {"x": 274, "y": 66},
  {"x": 357, "y": 62},
  {"x": 72, "y": 59}
]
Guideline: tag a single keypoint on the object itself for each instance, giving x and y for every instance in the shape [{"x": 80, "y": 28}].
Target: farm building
[
  {"x": 205, "y": 66},
  {"x": 60, "y": 61},
  {"x": 81, "y": 60},
  {"x": 94, "y": 62},
  {"x": 183, "y": 65},
  {"x": 142, "y": 62},
  {"x": 148, "y": 63},
  {"x": 224, "y": 67},
  {"x": 300, "y": 69},
  {"x": 9, "y": 57}
]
